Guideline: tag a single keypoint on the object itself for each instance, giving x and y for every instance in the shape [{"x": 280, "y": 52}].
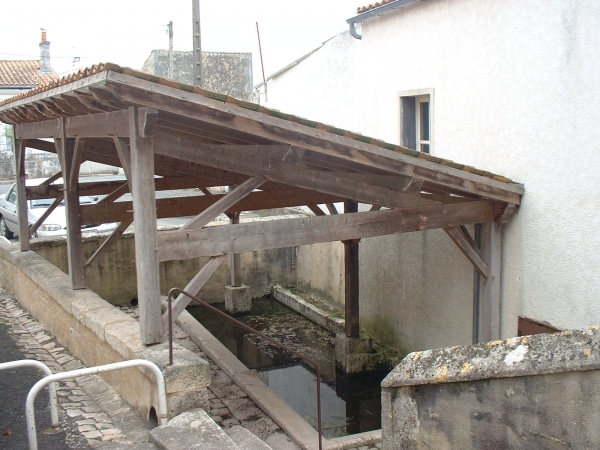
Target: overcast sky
[{"x": 126, "y": 31}]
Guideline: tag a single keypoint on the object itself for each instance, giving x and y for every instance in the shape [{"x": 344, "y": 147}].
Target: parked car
[{"x": 54, "y": 225}]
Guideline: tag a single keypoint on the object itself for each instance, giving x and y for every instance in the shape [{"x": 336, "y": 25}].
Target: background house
[
  {"x": 508, "y": 86},
  {"x": 226, "y": 73}
]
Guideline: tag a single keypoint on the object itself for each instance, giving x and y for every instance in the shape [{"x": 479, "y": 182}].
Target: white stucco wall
[{"x": 516, "y": 86}]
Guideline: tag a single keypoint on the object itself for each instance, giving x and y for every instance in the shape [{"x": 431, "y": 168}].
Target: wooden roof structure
[{"x": 166, "y": 135}]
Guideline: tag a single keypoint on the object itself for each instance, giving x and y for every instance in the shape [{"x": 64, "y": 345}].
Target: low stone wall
[
  {"x": 98, "y": 333},
  {"x": 538, "y": 391},
  {"x": 115, "y": 277}
]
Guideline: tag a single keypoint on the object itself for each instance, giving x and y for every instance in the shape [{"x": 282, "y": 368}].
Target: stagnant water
[{"x": 349, "y": 405}]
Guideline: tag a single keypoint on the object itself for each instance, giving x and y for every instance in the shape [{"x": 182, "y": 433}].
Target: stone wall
[
  {"x": 114, "y": 279},
  {"x": 538, "y": 391}
]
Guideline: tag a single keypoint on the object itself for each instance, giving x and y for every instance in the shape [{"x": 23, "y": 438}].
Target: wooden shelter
[{"x": 167, "y": 135}]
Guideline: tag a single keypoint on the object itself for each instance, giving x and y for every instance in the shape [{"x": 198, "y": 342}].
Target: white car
[{"x": 54, "y": 225}]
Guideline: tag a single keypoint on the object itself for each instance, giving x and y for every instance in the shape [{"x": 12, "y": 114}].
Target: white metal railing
[
  {"x": 43, "y": 367},
  {"x": 30, "y": 412}
]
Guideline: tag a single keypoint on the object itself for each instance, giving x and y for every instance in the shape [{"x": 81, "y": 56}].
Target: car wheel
[{"x": 4, "y": 231}]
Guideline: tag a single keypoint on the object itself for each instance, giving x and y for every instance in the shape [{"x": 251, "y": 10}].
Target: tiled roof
[
  {"x": 103, "y": 67},
  {"x": 370, "y": 6},
  {"x": 14, "y": 73}
]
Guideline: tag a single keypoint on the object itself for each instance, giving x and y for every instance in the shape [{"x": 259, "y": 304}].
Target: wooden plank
[
  {"x": 193, "y": 287},
  {"x": 146, "y": 257},
  {"x": 265, "y": 126},
  {"x": 317, "y": 211},
  {"x": 331, "y": 208},
  {"x": 108, "y": 124},
  {"x": 21, "y": 195},
  {"x": 351, "y": 279},
  {"x": 193, "y": 205},
  {"x": 489, "y": 306},
  {"x": 66, "y": 150},
  {"x": 468, "y": 250},
  {"x": 124, "y": 157},
  {"x": 105, "y": 246},
  {"x": 266, "y": 161},
  {"x": 44, "y": 129},
  {"x": 33, "y": 229},
  {"x": 246, "y": 237},
  {"x": 223, "y": 204}
]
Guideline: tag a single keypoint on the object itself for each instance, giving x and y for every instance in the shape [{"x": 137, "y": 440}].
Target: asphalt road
[{"x": 14, "y": 386}]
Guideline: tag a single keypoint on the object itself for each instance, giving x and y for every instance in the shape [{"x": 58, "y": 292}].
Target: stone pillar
[{"x": 237, "y": 295}]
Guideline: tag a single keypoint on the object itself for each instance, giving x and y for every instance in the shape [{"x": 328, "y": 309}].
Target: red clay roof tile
[{"x": 19, "y": 73}]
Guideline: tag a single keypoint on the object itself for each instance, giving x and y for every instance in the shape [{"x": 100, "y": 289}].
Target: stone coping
[{"x": 567, "y": 351}]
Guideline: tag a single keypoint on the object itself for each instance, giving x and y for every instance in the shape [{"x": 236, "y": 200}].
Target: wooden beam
[
  {"x": 246, "y": 237},
  {"x": 284, "y": 131},
  {"x": 66, "y": 152},
  {"x": 44, "y": 216},
  {"x": 193, "y": 287},
  {"x": 78, "y": 158},
  {"x": 331, "y": 208},
  {"x": 351, "y": 279},
  {"x": 193, "y": 205},
  {"x": 146, "y": 257},
  {"x": 507, "y": 213},
  {"x": 21, "y": 195},
  {"x": 469, "y": 250},
  {"x": 235, "y": 260},
  {"x": 105, "y": 246},
  {"x": 266, "y": 161},
  {"x": 317, "y": 211},
  {"x": 108, "y": 124},
  {"x": 124, "y": 157},
  {"x": 50, "y": 180},
  {"x": 223, "y": 204},
  {"x": 44, "y": 129},
  {"x": 489, "y": 305}
]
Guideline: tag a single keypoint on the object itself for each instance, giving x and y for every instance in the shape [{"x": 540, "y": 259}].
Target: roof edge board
[
  {"x": 380, "y": 10},
  {"x": 294, "y": 127}
]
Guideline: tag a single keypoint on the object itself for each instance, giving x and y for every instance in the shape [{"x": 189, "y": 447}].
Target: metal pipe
[
  {"x": 52, "y": 388},
  {"x": 375, "y": 12},
  {"x": 37, "y": 387},
  {"x": 261, "y": 62},
  {"x": 259, "y": 334}
]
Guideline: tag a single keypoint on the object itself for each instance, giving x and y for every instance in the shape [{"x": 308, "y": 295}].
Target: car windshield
[{"x": 47, "y": 202}]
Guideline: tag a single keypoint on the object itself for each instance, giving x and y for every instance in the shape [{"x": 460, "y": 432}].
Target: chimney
[{"x": 45, "y": 54}]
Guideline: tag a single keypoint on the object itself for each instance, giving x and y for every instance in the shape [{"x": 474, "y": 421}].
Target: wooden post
[
  {"x": 236, "y": 260},
  {"x": 144, "y": 213},
  {"x": 489, "y": 304},
  {"x": 351, "y": 297},
  {"x": 66, "y": 149},
  {"x": 21, "y": 196}
]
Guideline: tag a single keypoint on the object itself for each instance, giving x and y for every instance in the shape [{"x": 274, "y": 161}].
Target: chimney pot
[{"x": 45, "y": 55}]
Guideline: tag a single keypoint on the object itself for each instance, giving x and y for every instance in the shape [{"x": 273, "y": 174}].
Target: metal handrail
[
  {"x": 37, "y": 387},
  {"x": 52, "y": 389},
  {"x": 252, "y": 330}
]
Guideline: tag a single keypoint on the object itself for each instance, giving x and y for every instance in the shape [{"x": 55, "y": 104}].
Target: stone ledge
[{"x": 577, "y": 350}]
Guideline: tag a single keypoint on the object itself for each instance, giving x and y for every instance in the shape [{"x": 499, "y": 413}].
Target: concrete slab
[
  {"x": 237, "y": 299},
  {"x": 191, "y": 430}
]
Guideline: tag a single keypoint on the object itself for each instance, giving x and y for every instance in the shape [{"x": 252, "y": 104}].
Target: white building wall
[{"x": 516, "y": 91}]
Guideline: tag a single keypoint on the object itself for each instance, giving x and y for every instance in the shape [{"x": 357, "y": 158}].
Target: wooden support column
[
  {"x": 489, "y": 303},
  {"x": 144, "y": 213},
  {"x": 236, "y": 259},
  {"x": 351, "y": 291},
  {"x": 21, "y": 196},
  {"x": 67, "y": 151}
]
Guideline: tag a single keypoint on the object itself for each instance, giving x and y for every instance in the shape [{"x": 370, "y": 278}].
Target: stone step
[
  {"x": 191, "y": 430},
  {"x": 245, "y": 440}
]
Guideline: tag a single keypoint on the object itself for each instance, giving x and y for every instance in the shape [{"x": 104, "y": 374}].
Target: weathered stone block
[
  {"x": 237, "y": 299},
  {"x": 354, "y": 355}
]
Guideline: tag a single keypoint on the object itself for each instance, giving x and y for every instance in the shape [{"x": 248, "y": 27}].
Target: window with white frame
[{"x": 415, "y": 121}]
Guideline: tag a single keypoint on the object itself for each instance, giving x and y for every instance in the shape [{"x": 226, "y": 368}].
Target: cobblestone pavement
[{"x": 92, "y": 414}]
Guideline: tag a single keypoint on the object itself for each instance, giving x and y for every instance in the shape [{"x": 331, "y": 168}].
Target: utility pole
[
  {"x": 198, "y": 78},
  {"x": 170, "y": 31}
]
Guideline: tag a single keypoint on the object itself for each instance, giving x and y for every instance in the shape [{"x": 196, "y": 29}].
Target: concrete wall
[
  {"x": 515, "y": 91},
  {"x": 513, "y": 394},
  {"x": 115, "y": 278}
]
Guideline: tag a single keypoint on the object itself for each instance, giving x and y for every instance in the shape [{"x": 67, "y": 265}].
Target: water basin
[{"x": 349, "y": 405}]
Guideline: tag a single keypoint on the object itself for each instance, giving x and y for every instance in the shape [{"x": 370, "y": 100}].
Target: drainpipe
[{"x": 375, "y": 12}]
